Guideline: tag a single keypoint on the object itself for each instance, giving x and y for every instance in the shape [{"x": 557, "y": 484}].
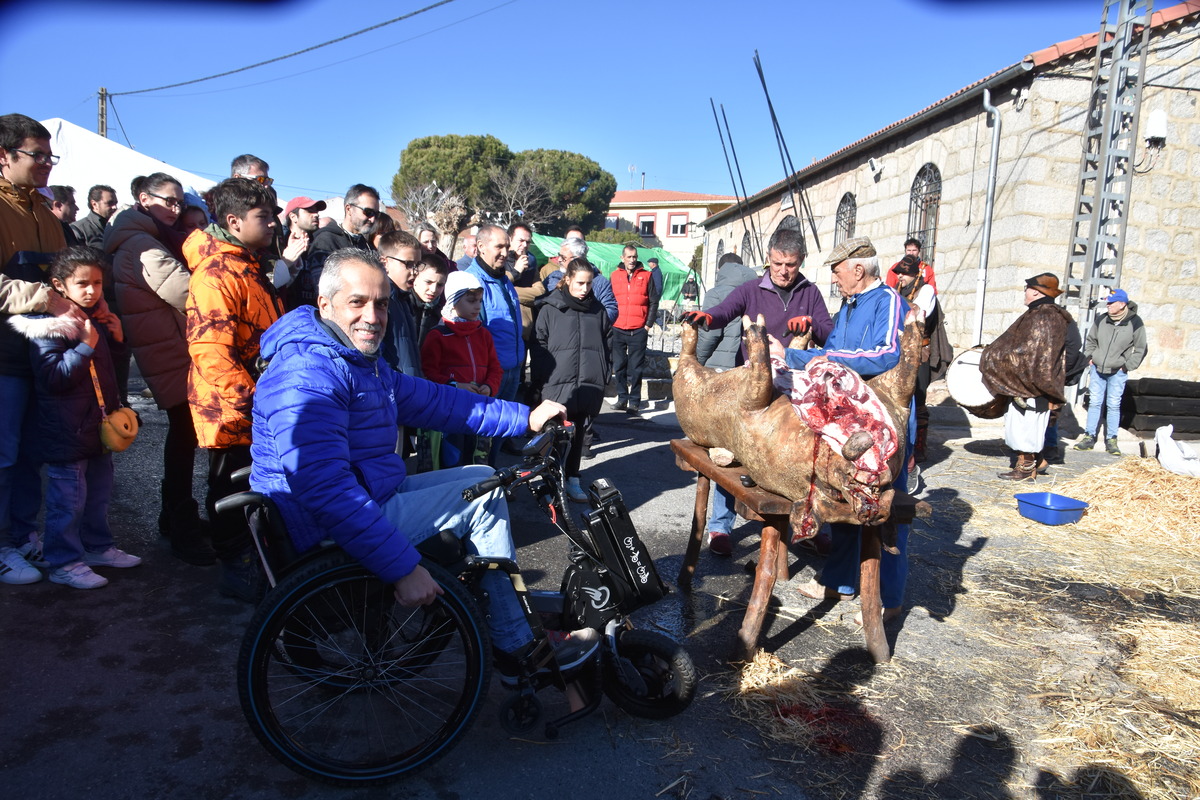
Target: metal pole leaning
[{"x": 742, "y": 210}]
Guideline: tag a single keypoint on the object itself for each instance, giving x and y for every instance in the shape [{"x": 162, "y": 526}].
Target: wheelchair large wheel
[
  {"x": 343, "y": 684},
  {"x": 652, "y": 676}
]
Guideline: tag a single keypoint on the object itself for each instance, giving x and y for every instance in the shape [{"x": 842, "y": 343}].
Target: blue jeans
[
  {"x": 432, "y": 502},
  {"x": 842, "y": 566},
  {"x": 723, "y": 515},
  {"x": 19, "y": 479},
  {"x": 77, "y": 498},
  {"x": 1106, "y": 390}
]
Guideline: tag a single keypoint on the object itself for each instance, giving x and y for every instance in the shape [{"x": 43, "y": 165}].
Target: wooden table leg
[
  {"x": 699, "y": 521},
  {"x": 760, "y": 595},
  {"x": 868, "y": 592}
]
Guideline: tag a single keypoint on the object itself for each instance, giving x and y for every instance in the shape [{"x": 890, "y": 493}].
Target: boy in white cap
[{"x": 459, "y": 351}]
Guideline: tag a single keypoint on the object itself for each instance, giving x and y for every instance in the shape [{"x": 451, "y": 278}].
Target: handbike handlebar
[
  {"x": 536, "y": 459},
  {"x": 502, "y": 478}
]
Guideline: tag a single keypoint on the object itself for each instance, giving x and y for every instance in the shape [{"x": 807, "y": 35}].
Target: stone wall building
[{"x": 926, "y": 175}]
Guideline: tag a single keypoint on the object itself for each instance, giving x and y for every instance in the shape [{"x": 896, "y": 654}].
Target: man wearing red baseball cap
[{"x": 299, "y": 273}]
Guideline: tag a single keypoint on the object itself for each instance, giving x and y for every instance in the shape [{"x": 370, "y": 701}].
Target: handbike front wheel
[
  {"x": 342, "y": 683},
  {"x": 651, "y": 676}
]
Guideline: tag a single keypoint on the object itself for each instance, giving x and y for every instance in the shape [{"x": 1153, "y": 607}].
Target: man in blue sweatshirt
[{"x": 865, "y": 338}]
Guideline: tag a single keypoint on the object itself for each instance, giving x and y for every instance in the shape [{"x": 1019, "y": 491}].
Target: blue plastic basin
[{"x": 1049, "y": 508}]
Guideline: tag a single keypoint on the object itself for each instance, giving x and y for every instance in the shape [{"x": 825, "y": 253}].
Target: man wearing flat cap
[
  {"x": 865, "y": 338},
  {"x": 1115, "y": 346},
  {"x": 866, "y": 331},
  {"x": 1032, "y": 363}
]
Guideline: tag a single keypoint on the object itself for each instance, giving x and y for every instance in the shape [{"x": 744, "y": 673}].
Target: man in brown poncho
[{"x": 1030, "y": 363}]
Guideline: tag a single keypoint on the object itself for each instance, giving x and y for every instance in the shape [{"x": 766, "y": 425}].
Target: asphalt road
[{"x": 128, "y": 691}]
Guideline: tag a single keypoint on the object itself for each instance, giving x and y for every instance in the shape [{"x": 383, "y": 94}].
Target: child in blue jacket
[{"x": 66, "y": 423}]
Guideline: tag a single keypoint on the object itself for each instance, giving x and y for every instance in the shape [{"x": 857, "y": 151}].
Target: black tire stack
[{"x": 1150, "y": 403}]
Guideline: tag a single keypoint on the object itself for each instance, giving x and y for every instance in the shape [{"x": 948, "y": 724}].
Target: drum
[{"x": 964, "y": 381}]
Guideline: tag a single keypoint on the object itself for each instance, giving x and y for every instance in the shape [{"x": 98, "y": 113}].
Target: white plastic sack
[{"x": 1176, "y": 456}]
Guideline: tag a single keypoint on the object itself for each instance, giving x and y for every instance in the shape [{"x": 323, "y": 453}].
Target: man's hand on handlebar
[
  {"x": 548, "y": 410},
  {"x": 417, "y": 588}
]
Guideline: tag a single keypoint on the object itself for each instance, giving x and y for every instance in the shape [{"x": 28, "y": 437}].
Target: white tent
[{"x": 89, "y": 159}]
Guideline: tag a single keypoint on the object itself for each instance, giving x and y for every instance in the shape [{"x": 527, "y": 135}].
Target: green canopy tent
[{"x": 607, "y": 257}]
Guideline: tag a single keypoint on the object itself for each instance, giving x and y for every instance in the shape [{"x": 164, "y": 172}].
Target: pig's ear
[
  {"x": 760, "y": 322},
  {"x": 746, "y": 322}
]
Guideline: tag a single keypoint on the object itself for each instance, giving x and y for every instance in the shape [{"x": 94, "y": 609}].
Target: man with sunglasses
[
  {"x": 251, "y": 168},
  {"x": 30, "y": 235},
  {"x": 362, "y": 204}
]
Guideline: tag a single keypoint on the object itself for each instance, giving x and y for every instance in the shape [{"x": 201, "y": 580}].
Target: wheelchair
[{"x": 341, "y": 683}]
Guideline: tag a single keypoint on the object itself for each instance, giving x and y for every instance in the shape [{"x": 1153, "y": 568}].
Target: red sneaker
[{"x": 719, "y": 543}]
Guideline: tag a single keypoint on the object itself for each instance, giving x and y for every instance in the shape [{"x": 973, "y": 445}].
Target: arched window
[
  {"x": 791, "y": 223},
  {"x": 923, "y": 204},
  {"x": 747, "y": 251},
  {"x": 720, "y": 248},
  {"x": 847, "y": 213}
]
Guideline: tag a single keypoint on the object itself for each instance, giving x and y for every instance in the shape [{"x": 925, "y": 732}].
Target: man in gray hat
[
  {"x": 865, "y": 338},
  {"x": 866, "y": 331}
]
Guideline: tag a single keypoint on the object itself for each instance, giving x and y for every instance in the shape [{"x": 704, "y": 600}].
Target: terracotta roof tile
[{"x": 643, "y": 196}]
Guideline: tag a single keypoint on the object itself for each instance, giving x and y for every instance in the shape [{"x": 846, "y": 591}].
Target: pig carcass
[{"x": 742, "y": 411}]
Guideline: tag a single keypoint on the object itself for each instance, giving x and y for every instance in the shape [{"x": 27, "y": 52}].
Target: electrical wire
[
  {"x": 401, "y": 18},
  {"x": 341, "y": 61},
  {"x": 121, "y": 124}
]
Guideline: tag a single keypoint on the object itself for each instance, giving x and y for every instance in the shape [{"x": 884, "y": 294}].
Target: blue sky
[{"x": 621, "y": 81}]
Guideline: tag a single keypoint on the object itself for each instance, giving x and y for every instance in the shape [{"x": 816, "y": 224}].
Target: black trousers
[
  {"x": 629, "y": 358},
  {"x": 179, "y": 457},
  {"x": 230, "y": 538}
]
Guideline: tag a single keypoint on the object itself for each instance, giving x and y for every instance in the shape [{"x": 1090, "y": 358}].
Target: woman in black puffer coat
[{"x": 570, "y": 359}]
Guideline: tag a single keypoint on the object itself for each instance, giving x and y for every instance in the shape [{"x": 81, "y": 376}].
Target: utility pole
[{"x": 102, "y": 113}]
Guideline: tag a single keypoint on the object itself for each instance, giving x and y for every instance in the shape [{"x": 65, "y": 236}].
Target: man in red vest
[{"x": 637, "y": 308}]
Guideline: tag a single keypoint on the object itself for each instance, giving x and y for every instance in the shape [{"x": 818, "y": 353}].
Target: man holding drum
[{"x": 1032, "y": 362}]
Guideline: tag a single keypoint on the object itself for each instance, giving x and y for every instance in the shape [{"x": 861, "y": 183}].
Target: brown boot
[{"x": 1024, "y": 470}]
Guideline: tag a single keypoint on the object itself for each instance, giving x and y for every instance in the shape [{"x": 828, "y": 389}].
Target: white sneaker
[
  {"x": 575, "y": 492},
  {"x": 78, "y": 575},
  {"x": 31, "y": 551},
  {"x": 15, "y": 570},
  {"x": 112, "y": 557}
]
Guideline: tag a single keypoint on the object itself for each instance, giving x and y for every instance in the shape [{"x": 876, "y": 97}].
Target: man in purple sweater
[{"x": 789, "y": 303}]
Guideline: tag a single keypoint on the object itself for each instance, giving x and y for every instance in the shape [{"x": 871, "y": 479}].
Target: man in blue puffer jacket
[{"x": 325, "y": 418}]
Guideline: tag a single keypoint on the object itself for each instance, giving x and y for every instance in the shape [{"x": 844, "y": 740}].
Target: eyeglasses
[
  {"x": 263, "y": 179},
  {"x": 409, "y": 264},
  {"x": 167, "y": 201},
  {"x": 39, "y": 158},
  {"x": 369, "y": 213}
]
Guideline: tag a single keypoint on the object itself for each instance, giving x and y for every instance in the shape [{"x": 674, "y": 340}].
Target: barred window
[
  {"x": 747, "y": 252},
  {"x": 923, "y": 204},
  {"x": 847, "y": 213}
]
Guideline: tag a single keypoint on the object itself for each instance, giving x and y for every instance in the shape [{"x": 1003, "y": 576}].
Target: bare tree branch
[{"x": 517, "y": 192}]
